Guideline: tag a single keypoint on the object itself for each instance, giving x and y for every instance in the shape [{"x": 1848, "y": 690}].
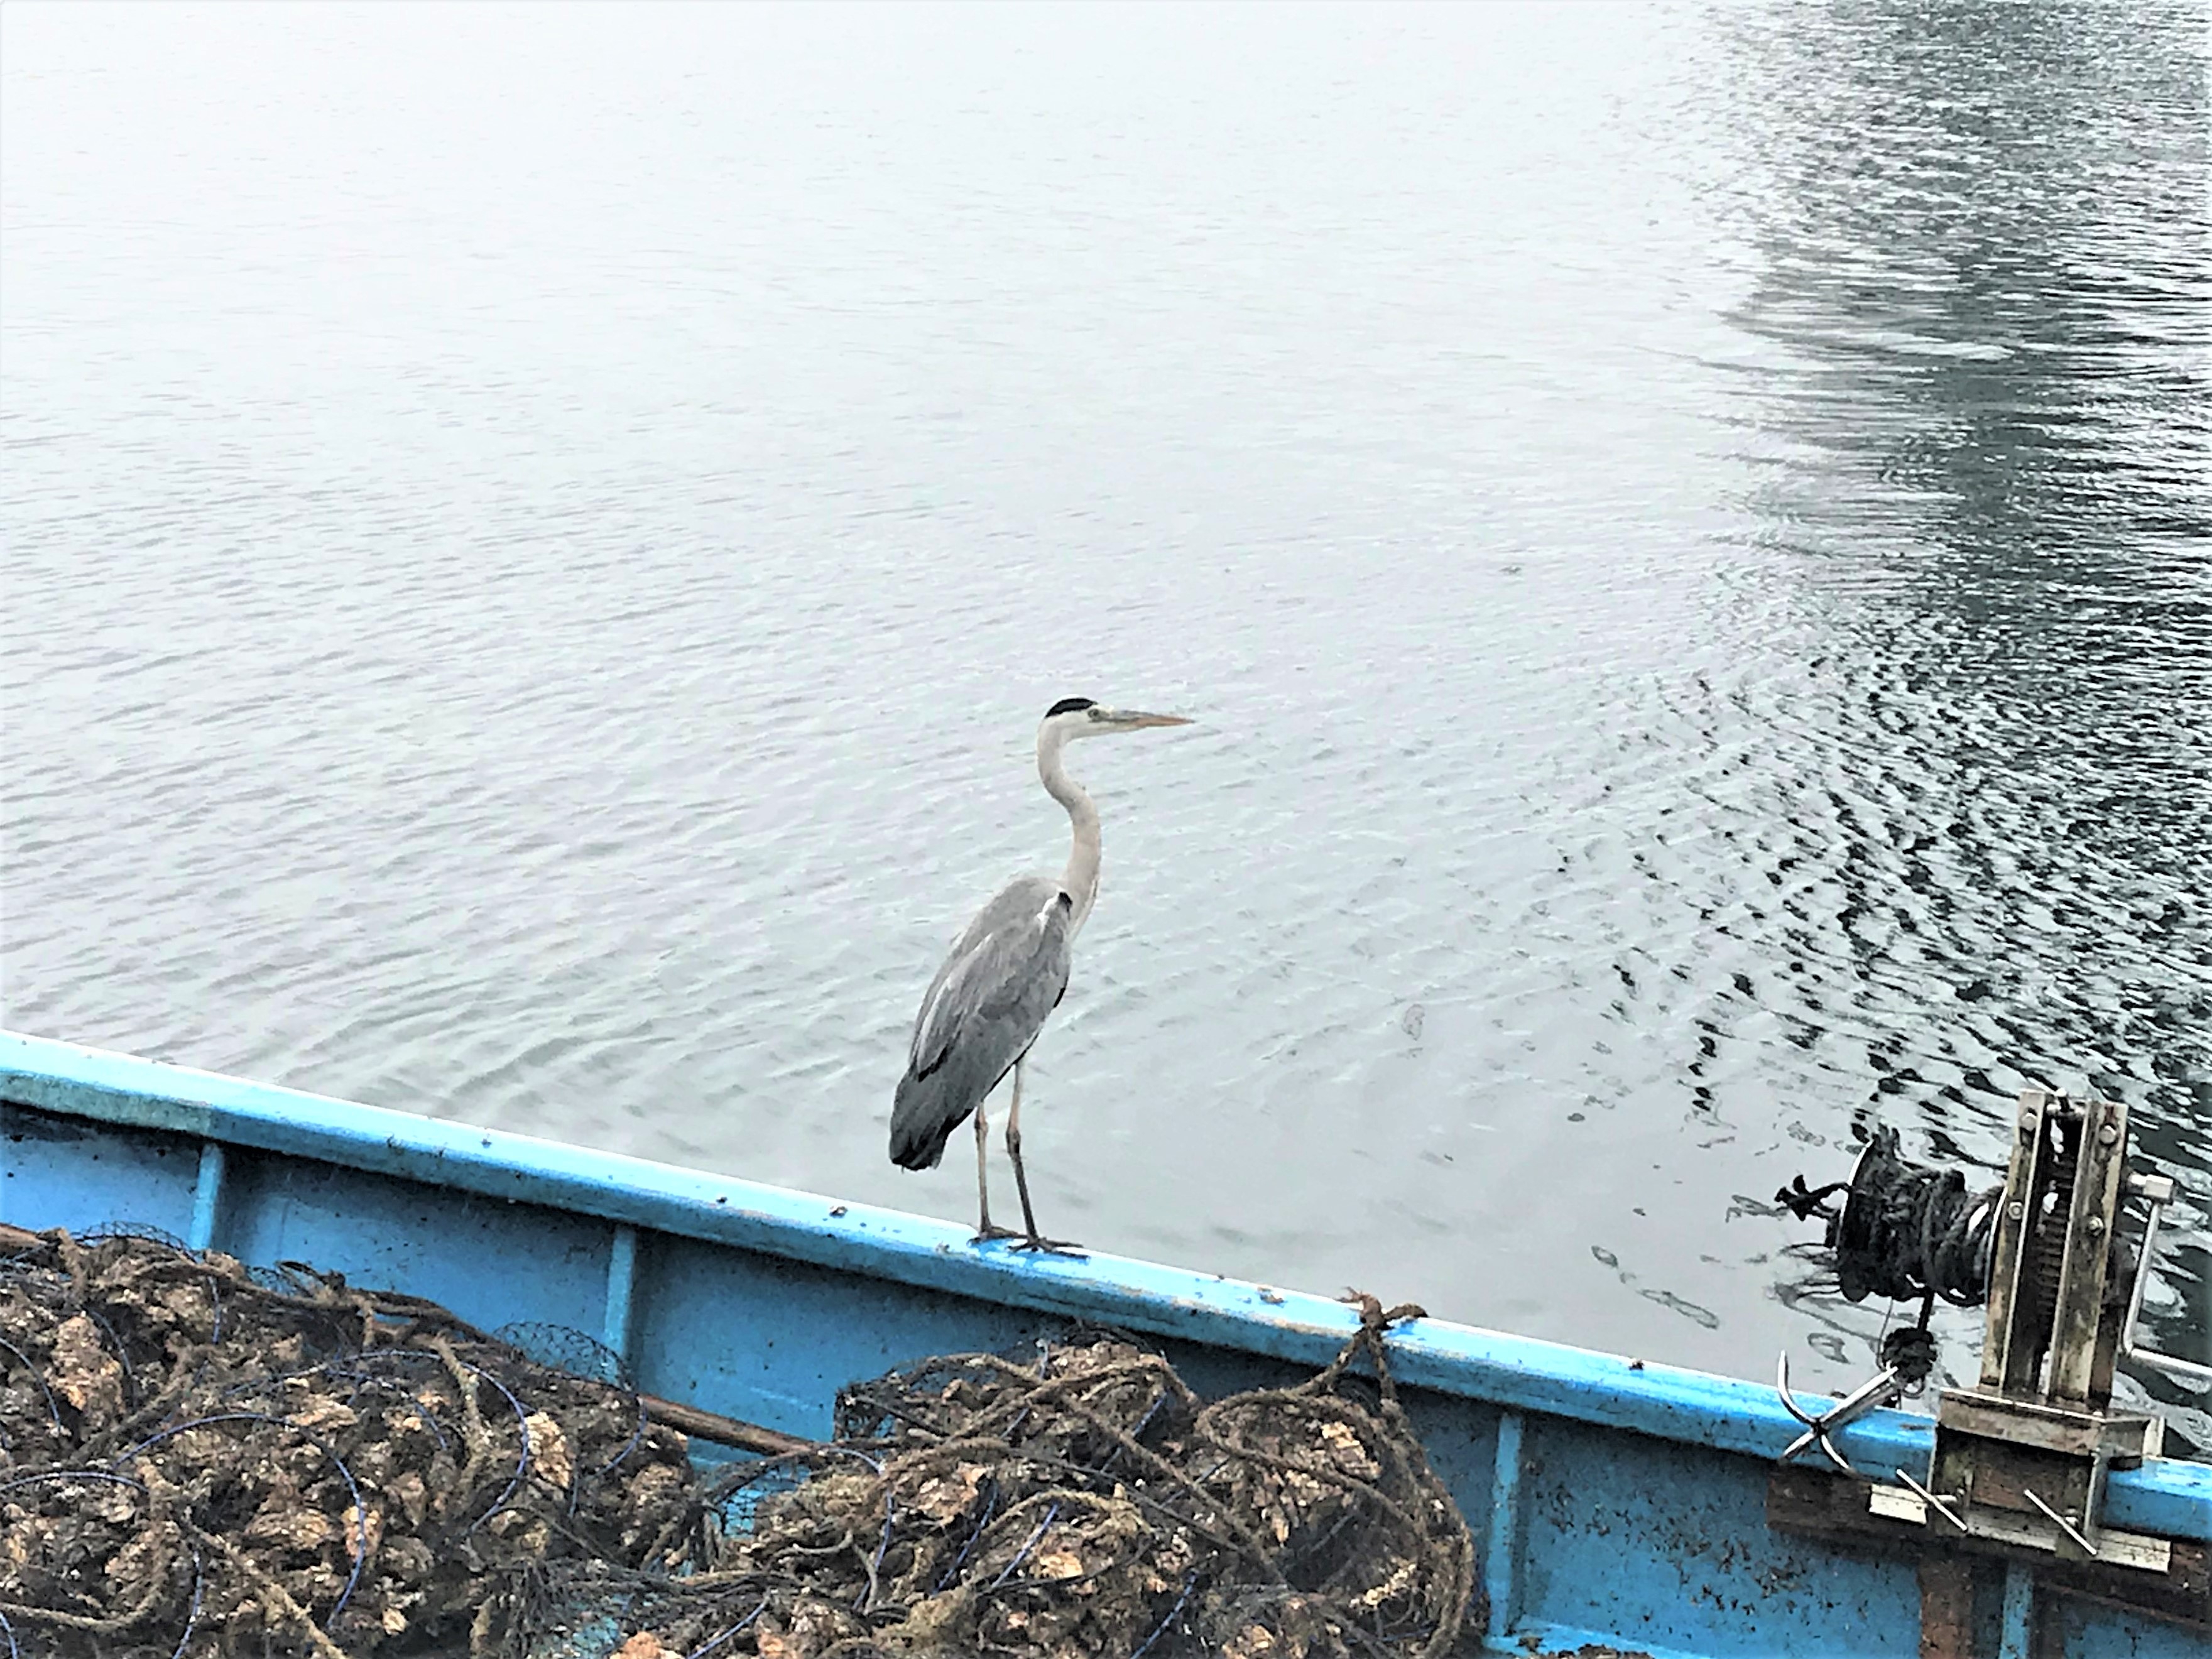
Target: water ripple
[{"x": 1684, "y": 527}]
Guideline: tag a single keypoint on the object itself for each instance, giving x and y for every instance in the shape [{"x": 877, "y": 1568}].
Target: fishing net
[
  {"x": 199, "y": 1458},
  {"x": 200, "y": 1461},
  {"x": 1086, "y": 1502}
]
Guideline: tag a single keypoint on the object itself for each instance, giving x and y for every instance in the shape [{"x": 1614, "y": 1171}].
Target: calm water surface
[{"x": 536, "y": 541}]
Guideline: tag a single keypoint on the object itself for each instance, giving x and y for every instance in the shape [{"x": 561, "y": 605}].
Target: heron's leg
[
  {"x": 1036, "y": 1240},
  {"x": 984, "y": 1231}
]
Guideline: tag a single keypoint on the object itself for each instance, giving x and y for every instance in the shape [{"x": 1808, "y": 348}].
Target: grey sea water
[{"x": 536, "y": 539}]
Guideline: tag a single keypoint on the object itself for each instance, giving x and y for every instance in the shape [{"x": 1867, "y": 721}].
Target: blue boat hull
[{"x": 1612, "y": 1502}]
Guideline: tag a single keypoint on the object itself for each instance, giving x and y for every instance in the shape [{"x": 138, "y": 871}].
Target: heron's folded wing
[{"x": 996, "y": 990}]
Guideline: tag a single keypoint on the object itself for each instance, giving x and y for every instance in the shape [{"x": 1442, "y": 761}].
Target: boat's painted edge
[{"x": 2166, "y": 1497}]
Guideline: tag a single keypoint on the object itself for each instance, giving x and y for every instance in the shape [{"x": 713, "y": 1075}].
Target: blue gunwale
[{"x": 2170, "y": 1497}]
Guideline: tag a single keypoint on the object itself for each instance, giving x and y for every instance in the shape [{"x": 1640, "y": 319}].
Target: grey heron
[{"x": 1005, "y": 976}]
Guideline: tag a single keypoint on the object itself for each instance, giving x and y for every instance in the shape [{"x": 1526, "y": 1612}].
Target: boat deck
[{"x": 1614, "y": 1502}]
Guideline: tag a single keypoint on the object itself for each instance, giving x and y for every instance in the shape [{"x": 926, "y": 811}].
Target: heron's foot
[
  {"x": 1046, "y": 1246},
  {"x": 990, "y": 1233}
]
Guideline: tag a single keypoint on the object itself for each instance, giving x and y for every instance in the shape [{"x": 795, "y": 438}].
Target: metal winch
[{"x": 2059, "y": 1258}]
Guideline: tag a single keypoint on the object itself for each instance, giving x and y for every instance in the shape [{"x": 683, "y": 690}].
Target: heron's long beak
[{"x": 1131, "y": 720}]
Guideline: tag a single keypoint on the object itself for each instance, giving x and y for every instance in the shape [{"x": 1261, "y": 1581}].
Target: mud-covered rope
[{"x": 1902, "y": 1232}]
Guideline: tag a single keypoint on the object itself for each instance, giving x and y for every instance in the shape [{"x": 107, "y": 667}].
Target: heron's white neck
[{"x": 1080, "y": 883}]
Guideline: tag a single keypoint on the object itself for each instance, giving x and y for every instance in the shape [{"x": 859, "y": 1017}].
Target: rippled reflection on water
[{"x": 536, "y": 554}]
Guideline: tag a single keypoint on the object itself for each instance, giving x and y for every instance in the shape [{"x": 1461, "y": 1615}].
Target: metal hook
[
  {"x": 1884, "y": 1387},
  {"x": 2059, "y": 1521},
  {"x": 1941, "y": 1505}
]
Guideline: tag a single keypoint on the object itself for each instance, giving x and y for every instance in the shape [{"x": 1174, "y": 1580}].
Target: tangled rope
[
  {"x": 1903, "y": 1232},
  {"x": 1910, "y": 1351},
  {"x": 1082, "y": 1501},
  {"x": 198, "y": 1458}
]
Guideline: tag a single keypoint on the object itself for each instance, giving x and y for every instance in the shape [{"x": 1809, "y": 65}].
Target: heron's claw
[
  {"x": 990, "y": 1232},
  {"x": 1046, "y": 1246}
]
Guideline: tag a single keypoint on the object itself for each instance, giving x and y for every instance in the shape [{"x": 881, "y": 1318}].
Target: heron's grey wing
[
  {"x": 982, "y": 1012},
  {"x": 986, "y": 954}
]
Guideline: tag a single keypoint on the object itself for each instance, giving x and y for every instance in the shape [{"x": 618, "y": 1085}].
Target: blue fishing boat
[{"x": 1616, "y": 1506}]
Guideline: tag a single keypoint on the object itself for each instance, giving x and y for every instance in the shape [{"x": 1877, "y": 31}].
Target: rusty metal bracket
[{"x": 2031, "y": 1473}]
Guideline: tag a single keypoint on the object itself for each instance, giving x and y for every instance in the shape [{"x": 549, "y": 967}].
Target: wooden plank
[
  {"x": 1827, "y": 1507},
  {"x": 2182, "y": 1594},
  {"x": 2006, "y": 1249},
  {"x": 2076, "y": 1432},
  {"x": 2048, "y": 1638},
  {"x": 722, "y": 1430},
  {"x": 1835, "y": 1510},
  {"x": 1947, "y": 1606},
  {"x": 2094, "y": 1207}
]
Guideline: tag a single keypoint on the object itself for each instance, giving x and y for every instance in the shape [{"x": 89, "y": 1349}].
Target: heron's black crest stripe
[
  {"x": 1069, "y": 706},
  {"x": 1067, "y": 902}
]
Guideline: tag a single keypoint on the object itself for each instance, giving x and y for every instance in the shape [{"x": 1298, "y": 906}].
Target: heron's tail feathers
[{"x": 921, "y": 1125}]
